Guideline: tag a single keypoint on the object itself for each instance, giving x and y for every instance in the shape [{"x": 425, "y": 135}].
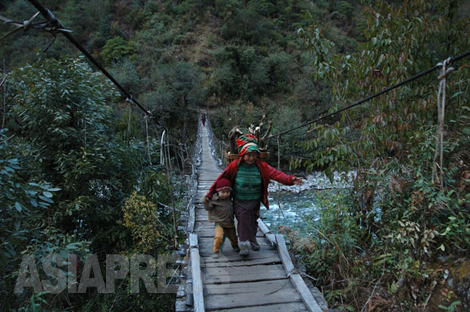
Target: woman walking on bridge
[{"x": 250, "y": 177}]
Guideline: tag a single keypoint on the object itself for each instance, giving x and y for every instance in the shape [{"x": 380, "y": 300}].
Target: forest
[{"x": 86, "y": 168}]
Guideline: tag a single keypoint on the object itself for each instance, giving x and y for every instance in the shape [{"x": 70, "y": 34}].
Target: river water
[
  {"x": 292, "y": 209},
  {"x": 294, "y": 206}
]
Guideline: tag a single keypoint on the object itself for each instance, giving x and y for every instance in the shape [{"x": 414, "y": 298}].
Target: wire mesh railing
[{"x": 218, "y": 147}]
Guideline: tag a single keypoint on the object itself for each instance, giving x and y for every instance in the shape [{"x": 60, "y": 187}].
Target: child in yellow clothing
[{"x": 221, "y": 213}]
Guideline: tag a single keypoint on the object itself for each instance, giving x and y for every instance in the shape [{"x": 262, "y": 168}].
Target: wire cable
[
  {"x": 450, "y": 61},
  {"x": 53, "y": 20}
]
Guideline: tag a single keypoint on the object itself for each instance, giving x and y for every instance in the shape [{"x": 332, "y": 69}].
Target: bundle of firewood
[{"x": 263, "y": 141}]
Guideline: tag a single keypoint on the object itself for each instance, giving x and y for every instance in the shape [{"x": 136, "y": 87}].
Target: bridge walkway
[{"x": 265, "y": 281}]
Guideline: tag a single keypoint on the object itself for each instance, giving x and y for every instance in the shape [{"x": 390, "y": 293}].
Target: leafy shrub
[
  {"x": 407, "y": 211},
  {"x": 62, "y": 176},
  {"x": 141, "y": 217},
  {"x": 116, "y": 49}
]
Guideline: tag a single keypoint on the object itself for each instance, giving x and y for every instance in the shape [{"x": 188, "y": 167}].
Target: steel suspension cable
[
  {"x": 449, "y": 61},
  {"x": 54, "y": 21}
]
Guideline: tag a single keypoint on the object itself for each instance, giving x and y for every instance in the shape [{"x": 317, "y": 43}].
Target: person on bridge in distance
[
  {"x": 250, "y": 177},
  {"x": 221, "y": 212}
]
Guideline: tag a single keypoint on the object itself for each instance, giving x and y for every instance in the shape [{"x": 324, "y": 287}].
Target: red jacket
[{"x": 268, "y": 173}]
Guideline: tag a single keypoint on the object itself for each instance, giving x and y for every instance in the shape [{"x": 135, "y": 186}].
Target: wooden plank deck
[{"x": 265, "y": 281}]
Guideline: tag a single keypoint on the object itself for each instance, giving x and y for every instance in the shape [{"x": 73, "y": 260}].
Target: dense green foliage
[
  {"x": 77, "y": 164},
  {"x": 177, "y": 56},
  {"x": 65, "y": 175},
  {"x": 407, "y": 208}
]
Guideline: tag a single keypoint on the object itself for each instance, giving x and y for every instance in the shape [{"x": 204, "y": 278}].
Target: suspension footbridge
[{"x": 265, "y": 281}]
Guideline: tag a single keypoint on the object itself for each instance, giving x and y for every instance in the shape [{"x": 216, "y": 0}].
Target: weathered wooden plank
[
  {"x": 236, "y": 260},
  {"x": 228, "y": 252},
  {"x": 196, "y": 275},
  {"x": 284, "y": 254},
  {"x": 262, "y": 226},
  {"x": 264, "y": 287},
  {"x": 208, "y": 232},
  {"x": 208, "y": 241},
  {"x": 214, "y": 275},
  {"x": 206, "y": 229},
  {"x": 268, "y": 257},
  {"x": 202, "y": 215},
  {"x": 191, "y": 218},
  {"x": 206, "y": 251},
  {"x": 204, "y": 187},
  {"x": 193, "y": 240},
  {"x": 267, "y": 232},
  {"x": 295, "y": 277},
  {"x": 305, "y": 293},
  {"x": 263, "y": 296},
  {"x": 283, "y": 307},
  {"x": 207, "y": 181}
]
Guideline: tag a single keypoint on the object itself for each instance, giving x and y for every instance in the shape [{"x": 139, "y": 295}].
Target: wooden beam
[
  {"x": 267, "y": 232},
  {"x": 295, "y": 277},
  {"x": 192, "y": 216},
  {"x": 198, "y": 294},
  {"x": 284, "y": 253}
]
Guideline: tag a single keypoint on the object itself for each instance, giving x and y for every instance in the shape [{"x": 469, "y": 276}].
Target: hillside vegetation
[{"x": 82, "y": 170}]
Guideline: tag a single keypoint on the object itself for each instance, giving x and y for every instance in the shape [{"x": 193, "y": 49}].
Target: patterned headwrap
[{"x": 247, "y": 143}]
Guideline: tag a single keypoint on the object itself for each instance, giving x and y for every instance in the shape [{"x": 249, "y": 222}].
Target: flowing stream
[
  {"x": 292, "y": 210},
  {"x": 294, "y": 206}
]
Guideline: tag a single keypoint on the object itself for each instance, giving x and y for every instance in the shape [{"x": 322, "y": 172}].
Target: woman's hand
[{"x": 298, "y": 181}]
